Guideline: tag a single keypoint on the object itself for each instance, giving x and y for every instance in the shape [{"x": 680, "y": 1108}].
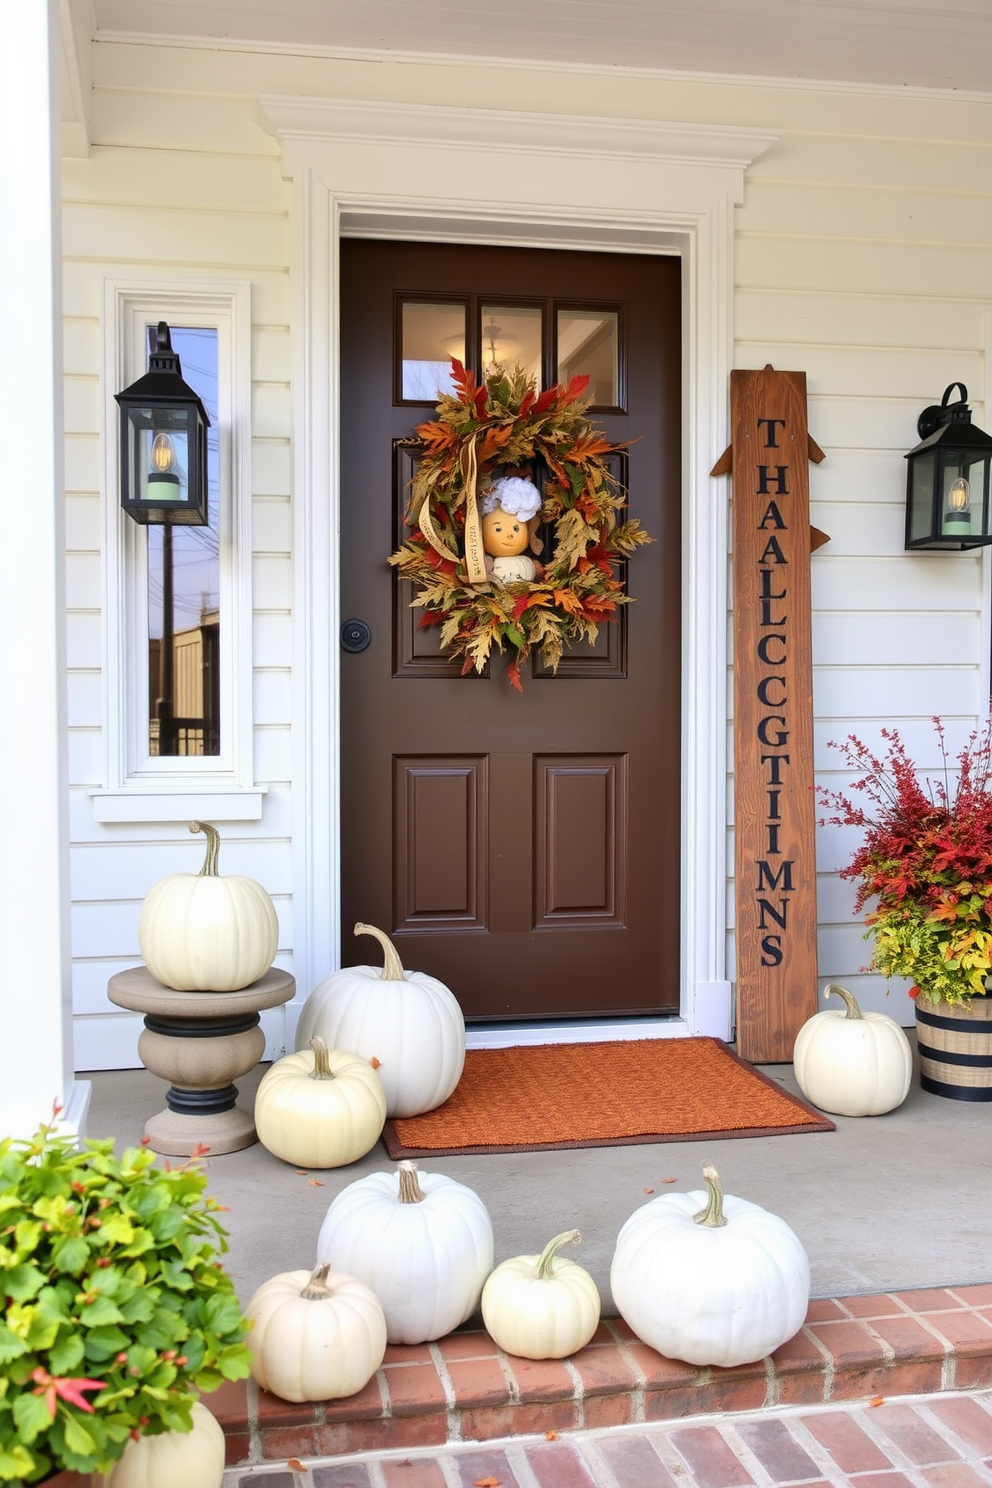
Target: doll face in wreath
[{"x": 503, "y": 535}]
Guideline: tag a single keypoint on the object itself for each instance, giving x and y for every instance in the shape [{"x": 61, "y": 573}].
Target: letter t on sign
[{"x": 775, "y": 866}]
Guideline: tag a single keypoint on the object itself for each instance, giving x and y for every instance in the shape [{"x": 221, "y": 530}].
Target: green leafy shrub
[{"x": 118, "y": 1312}]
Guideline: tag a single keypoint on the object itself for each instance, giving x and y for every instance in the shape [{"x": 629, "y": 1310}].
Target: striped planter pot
[{"x": 955, "y": 1046}]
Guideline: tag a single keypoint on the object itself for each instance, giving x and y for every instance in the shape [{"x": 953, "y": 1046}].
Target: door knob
[{"x": 355, "y": 635}]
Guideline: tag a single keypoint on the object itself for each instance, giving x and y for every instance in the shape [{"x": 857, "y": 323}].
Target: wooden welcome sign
[{"x": 775, "y": 868}]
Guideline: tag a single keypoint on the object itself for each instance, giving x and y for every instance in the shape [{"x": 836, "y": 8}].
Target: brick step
[{"x": 463, "y": 1388}]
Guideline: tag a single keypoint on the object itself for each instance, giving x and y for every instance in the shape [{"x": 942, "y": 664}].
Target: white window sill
[{"x": 210, "y": 803}]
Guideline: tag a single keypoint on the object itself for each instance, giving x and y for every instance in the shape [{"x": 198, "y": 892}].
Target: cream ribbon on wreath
[{"x": 475, "y": 561}]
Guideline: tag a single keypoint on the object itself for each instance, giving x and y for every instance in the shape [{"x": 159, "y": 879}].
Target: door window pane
[
  {"x": 589, "y": 342},
  {"x": 511, "y": 337},
  {"x": 184, "y": 593},
  {"x": 432, "y": 334}
]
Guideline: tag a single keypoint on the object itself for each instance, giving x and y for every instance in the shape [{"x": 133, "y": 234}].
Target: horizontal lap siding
[
  {"x": 208, "y": 199},
  {"x": 867, "y": 263}
]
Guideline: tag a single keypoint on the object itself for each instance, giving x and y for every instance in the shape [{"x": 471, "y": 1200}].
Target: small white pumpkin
[
  {"x": 853, "y": 1063},
  {"x": 406, "y": 1020},
  {"x": 320, "y": 1108},
  {"x": 189, "y": 1459},
  {"x": 198, "y": 932},
  {"x": 541, "y": 1306},
  {"x": 318, "y": 1336},
  {"x": 726, "y": 1284},
  {"x": 422, "y": 1242}
]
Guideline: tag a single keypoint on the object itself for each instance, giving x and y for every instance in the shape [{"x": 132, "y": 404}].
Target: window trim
[{"x": 136, "y": 786}]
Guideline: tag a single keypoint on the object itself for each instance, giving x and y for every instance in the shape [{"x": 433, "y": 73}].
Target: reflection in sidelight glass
[
  {"x": 511, "y": 337},
  {"x": 588, "y": 342},
  {"x": 432, "y": 335},
  {"x": 184, "y": 593}
]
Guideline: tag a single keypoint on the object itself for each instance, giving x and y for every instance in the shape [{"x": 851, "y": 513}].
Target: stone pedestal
[{"x": 200, "y": 1042}]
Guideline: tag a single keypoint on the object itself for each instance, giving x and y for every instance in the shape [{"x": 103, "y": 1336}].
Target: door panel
[{"x": 525, "y": 849}]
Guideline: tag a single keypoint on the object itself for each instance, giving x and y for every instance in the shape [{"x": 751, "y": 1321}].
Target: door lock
[{"x": 355, "y": 635}]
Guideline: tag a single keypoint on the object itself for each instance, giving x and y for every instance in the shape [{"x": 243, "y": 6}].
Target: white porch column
[{"x": 35, "y": 994}]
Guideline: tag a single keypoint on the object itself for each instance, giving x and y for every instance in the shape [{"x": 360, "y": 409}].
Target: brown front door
[{"x": 524, "y": 849}]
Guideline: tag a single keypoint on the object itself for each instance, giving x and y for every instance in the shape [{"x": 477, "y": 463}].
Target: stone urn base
[
  {"x": 955, "y": 1046},
  {"x": 201, "y": 1042}
]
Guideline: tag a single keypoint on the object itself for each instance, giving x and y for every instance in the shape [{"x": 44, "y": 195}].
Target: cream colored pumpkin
[
  {"x": 199, "y": 932},
  {"x": 541, "y": 1306},
  {"x": 421, "y": 1241},
  {"x": 407, "y": 1021},
  {"x": 174, "y": 1459},
  {"x": 317, "y": 1336},
  {"x": 853, "y": 1063},
  {"x": 725, "y": 1284},
  {"x": 320, "y": 1108}
]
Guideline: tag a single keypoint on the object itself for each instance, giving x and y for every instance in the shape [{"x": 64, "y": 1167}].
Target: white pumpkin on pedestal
[
  {"x": 726, "y": 1283},
  {"x": 409, "y": 1023},
  {"x": 421, "y": 1241},
  {"x": 852, "y": 1063},
  {"x": 199, "y": 932}
]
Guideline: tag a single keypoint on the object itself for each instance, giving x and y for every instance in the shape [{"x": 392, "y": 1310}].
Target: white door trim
[{"x": 474, "y": 175}]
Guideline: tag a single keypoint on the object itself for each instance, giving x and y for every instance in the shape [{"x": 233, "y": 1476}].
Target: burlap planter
[{"x": 955, "y": 1045}]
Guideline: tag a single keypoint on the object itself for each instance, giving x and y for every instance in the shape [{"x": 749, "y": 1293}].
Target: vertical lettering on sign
[{"x": 773, "y": 716}]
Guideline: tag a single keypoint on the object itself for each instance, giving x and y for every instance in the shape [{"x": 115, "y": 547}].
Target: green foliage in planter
[{"x": 117, "y": 1309}]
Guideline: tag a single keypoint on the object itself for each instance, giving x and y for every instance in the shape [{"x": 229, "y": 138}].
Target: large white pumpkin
[
  {"x": 314, "y": 1337},
  {"x": 405, "y": 1020},
  {"x": 723, "y": 1284},
  {"x": 173, "y": 1459},
  {"x": 320, "y": 1108},
  {"x": 199, "y": 932},
  {"x": 421, "y": 1241},
  {"x": 541, "y": 1306},
  {"x": 853, "y": 1063}
]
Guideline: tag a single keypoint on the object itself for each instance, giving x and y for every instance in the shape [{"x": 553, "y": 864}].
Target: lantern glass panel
[{"x": 921, "y": 497}]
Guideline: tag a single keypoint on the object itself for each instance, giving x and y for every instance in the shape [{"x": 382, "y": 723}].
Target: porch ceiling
[{"x": 903, "y": 43}]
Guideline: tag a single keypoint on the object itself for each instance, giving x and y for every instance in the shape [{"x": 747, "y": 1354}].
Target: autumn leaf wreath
[{"x": 487, "y": 440}]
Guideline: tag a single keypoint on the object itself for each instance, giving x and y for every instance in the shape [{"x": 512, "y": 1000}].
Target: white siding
[
  {"x": 863, "y": 257},
  {"x": 137, "y": 205}
]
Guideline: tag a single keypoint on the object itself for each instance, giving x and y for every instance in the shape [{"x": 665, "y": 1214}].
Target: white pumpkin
[
  {"x": 198, "y": 932},
  {"x": 853, "y": 1063},
  {"x": 407, "y": 1021},
  {"x": 422, "y": 1242},
  {"x": 320, "y": 1108},
  {"x": 190, "y": 1459},
  {"x": 315, "y": 1337},
  {"x": 726, "y": 1284},
  {"x": 541, "y": 1306}
]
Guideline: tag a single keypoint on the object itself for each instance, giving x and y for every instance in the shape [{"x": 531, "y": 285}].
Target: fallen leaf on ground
[
  {"x": 316, "y": 1183},
  {"x": 375, "y": 1063},
  {"x": 669, "y": 1180},
  {"x": 301, "y": 1172},
  {"x": 649, "y": 1190},
  {"x": 487, "y": 1483},
  {"x": 551, "y": 1436},
  {"x": 296, "y": 1464},
  {"x": 877, "y": 1400}
]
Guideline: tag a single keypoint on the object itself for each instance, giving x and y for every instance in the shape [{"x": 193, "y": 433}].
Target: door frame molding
[{"x": 415, "y": 171}]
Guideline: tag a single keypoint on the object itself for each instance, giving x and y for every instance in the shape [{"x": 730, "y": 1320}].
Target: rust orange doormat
[{"x": 602, "y": 1095}]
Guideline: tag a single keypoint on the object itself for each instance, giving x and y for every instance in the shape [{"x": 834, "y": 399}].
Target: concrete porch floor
[{"x": 882, "y": 1204}]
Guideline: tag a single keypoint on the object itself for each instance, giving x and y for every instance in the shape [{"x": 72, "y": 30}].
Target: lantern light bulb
[
  {"x": 959, "y": 495},
  {"x": 163, "y": 456}
]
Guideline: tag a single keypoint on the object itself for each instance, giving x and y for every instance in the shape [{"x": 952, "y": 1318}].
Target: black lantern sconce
[
  {"x": 163, "y": 443},
  {"x": 947, "y": 491}
]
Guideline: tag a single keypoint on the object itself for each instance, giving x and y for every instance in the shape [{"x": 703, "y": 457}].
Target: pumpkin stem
[
  {"x": 316, "y": 1289},
  {"x": 209, "y": 869},
  {"x": 850, "y": 1001},
  {"x": 410, "y": 1190},
  {"x": 392, "y": 970},
  {"x": 321, "y": 1060},
  {"x": 546, "y": 1260},
  {"x": 712, "y": 1216}
]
